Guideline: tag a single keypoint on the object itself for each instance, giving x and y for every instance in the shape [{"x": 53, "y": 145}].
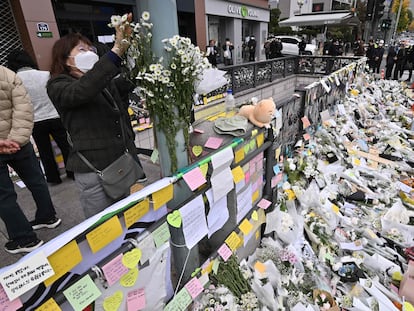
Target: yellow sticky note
[
  {"x": 233, "y": 241},
  {"x": 49, "y": 305},
  {"x": 63, "y": 260},
  {"x": 257, "y": 234},
  {"x": 357, "y": 161},
  {"x": 408, "y": 306},
  {"x": 238, "y": 155},
  {"x": 204, "y": 169},
  {"x": 246, "y": 227},
  {"x": 131, "y": 258},
  {"x": 262, "y": 216},
  {"x": 260, "y": 139},
  {"x": 238, "y": 174},
  {"x": 277, "y": 153},
  {"x": 101, "y": 236},
  {"x": 335, "y": 208},
  {"x": 255, "y": 196},
  {"x": 162, "y": 196},
  {"x": 260, "y": 267},
  {"x": 254, "y": 132},
  {"x": 255, "y": 216},
  {"x": 208, "y": 268},
  {"x": 113, "y": 302},
  {"x": 129, "y": 279},
  {"x": 133, "y": 214}
]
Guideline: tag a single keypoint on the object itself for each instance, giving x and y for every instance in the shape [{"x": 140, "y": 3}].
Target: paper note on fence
[
  {"x": 218, "y": 213},
  {"x": 194, "y": 221}
]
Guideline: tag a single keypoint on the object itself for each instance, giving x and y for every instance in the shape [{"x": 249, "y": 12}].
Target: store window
[{"x": 317, "y": 7}]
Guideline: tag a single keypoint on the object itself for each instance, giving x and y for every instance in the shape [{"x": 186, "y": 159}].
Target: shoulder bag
[{"x": 118, "y": 177}]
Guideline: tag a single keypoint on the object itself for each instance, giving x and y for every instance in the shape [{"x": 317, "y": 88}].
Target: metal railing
[{"x": 250, "y": 75}]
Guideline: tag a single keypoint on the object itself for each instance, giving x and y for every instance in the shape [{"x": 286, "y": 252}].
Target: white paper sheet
[
  {"x": 244, "y": 202},
  {"x": 218, "y": 214},
  {"x": 194, "y": 221},
  {"x": 221, "y": 183}
]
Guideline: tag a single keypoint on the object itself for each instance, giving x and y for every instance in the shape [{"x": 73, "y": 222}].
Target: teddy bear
[{"x": 259, "y": 114}]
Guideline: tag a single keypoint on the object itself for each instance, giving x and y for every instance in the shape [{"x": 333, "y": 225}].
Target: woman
[
  {"x": 92, "y": 100},
  {"x": 46, "y": 119}
]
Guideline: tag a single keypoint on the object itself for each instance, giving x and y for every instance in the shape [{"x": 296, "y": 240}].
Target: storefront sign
[
  {"x": 42, "y": 27},
  {"x": 42, "y": 34},
  {"x": 241, "y": 10}
]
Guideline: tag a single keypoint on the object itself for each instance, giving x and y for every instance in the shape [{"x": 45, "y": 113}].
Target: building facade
[{"x": 36, "y": 25}]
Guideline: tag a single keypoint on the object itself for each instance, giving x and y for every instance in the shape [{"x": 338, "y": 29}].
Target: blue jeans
[{"x": 26, "y": 165}]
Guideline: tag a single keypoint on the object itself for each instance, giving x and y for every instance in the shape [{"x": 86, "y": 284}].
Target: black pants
[
  {"x": 251, "y": 56},
  {"x": 399, "y": 70},
  {"x": 41, "y": 132},
  {"x": 388, "y": 71}
]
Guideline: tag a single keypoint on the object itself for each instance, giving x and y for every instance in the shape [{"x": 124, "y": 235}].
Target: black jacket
[{"x": 90, "y": 117}]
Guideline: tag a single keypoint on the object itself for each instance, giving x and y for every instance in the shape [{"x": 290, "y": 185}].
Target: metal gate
[{"x": 9, "y": 35}]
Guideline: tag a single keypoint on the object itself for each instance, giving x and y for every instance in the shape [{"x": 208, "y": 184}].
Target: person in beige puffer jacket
[{"x": 16, "y": 151}]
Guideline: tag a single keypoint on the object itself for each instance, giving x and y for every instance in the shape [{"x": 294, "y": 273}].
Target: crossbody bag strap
[{"x": 81, "y": 156}]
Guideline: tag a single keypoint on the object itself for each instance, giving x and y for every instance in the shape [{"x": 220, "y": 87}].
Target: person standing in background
[
  {"x": 379, "y": 54},
  {"x": 16, "y": 151},
  {"x": 46, "y": 119},
  {"x": 400, "y": 62},
  {"x": 390, "y": 61},
  {"x": 410, "y": 62},
  {"x": 252, "y": 48},
  {"x": 212, "y": 52},
  {"x": 228, "y": 52}
]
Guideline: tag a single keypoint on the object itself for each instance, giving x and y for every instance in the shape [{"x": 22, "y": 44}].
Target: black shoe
[
  {"x": 22, "y": 246},
  {"x": 51, "y": 223},
  {"x": 142, "y": 179}
]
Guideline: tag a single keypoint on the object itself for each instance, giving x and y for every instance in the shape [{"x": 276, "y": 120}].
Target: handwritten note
[
  {"x": 163, "y": 196},
  {"x": 305, "y": 122},
  {"x": 194, "y": 287},
  {"x": 263, "y": 203},
  {"x": 104, "y": 234},
  {"x": 194, "y": 221},
  {"x": 114, "y": 270},
  {"x": 113, "y": 302},
  {"x": 133, "y": 214},
  {"x": 238, "y": 174},
  {"x": 82, "y": 293},
  {"x": 260, "y": 140},
  {"x": 129, "y": 279},
  {"x": 233, "y": 241},
  {"x": 132, "y": 258},
  {"x": 194, "y": 178},
  {"x": 239, "y": 155},
  {"x": 161, "y": 235},
  {"x": 225, "y": 252},
  {"x": 63, "y": 260},
  {"x": 183, "y": 299},
  {"x": 147, "y": 246},
  {"x": 244, "y": 202},
  {"x": 136, "y": 300},
  {"x": 213, "y": 143},
  {"x": 26, "y": 275},
  {"x": 6, "y": 304},
  {"x": 246, "y": 227}
]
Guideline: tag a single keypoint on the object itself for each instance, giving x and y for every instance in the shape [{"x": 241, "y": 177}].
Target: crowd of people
[{"x": 61, "y": 103}]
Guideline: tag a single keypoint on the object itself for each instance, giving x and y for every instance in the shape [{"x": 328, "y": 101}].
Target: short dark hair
[
  {"x": 19, "y": 58},
  {"x": 61, "y": 51}
]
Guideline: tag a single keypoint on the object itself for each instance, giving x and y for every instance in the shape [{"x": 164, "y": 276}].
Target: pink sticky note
[
  {"x": 276, "y": 179},
  {"x": 306, "y": 136},
  {"x": 141, "y": 120},
  {"x": 224, "y": 251},
  {"x": 148, "y": 120},
  {"x": 264, "y": 203},
  {"x": 136, "y": 299},
  {"x": 305, "y": 122},
  {"x": 114, "y": 270},
  {"x": 213, "y": 143},
  {"x": 194, "y": 178},
  {"x": 6, "y": 304},
  {"x": 198, "y": 131},
  {"x": 194, "y": 287},
  {"x": 247, "y": 177}
]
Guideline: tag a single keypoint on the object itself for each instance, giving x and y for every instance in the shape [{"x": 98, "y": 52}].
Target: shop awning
[{"x": 322, "y": 18}]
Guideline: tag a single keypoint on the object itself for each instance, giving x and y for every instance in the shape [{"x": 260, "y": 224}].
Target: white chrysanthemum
[
  {"x": 168, "y": 49},
  {"x": 166, "y": 73},
  {"x": 180, "y": 52},
  {"x": 185, "y": 70},
  {"x": 149, "y": 35},
  {"x": 185, "y": 58},
  {"x": 145, "y": 16},
  {"x": 286, "y": 185},
  {"x": 137, "y": 27},
  {"x": 152, "y": 67},
  {"x": 165, "y": 80},
  {"x": 157, "y": 72},
  {"x": 173, "y": 41},
  {"x": 124, "y": 18},
  {"x": 176, "y": 37},
  {"x": 147, "y": 25},
  {"x": 173, "y": 66},
  {"x": 116, "y": 20}
]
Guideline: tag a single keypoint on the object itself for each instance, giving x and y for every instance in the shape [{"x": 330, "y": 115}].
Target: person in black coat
[
  {"x": 212, "y": 53},
  {"x": 370, "y": 54},
  {"x": 92, "y": 100},
  {"x": 390, "y": 61},
  {"x": 252, "y": 48},
  {"x": 410, "y": 62},
  {"x": 400, "y": 62},
  {"x": 379, "y": 54}
]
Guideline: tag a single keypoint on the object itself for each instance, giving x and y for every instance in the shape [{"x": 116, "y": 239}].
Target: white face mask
[{"x": 84, "y": 61}]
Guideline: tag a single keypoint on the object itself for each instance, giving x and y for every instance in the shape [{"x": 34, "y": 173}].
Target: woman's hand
[
  {"x": 123, "y": 36},
  {"x": 8, "y": 146}
]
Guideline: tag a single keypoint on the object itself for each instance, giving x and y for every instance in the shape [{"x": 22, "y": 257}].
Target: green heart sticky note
[
  {"x": 204, "y": 169},
  {"x": 255, "y": 216},
  {"x": 246, "y": 148},
  {"x": 252, "y": 144},
  {"x": 174, "y": 219},
  {"x": 112, "y": 303},
  {"x": 129, "y": 279},
  {"x": 154, "y": 156},
  {"x": 197, "y": 150},
  {"x": 131, "y": 258}
]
